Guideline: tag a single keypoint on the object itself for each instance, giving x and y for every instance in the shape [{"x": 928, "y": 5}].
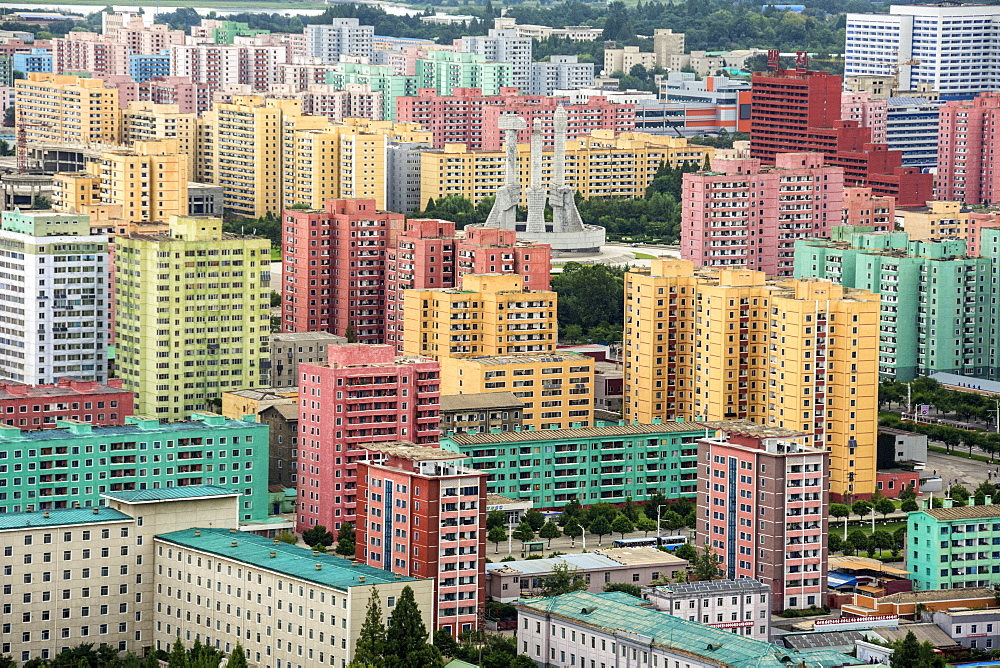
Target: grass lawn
[
  {"x": 275, "y": 254},
  {"x": 644, "y": 256},
  {"x": 837, "y": 526},
  {"x": 964, "y": 455}
]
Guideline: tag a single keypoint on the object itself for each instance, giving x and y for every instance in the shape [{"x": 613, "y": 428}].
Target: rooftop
[
  {"x": 711, "y": 586},
  {"x": 931, "y": 633},
  {"x": 586, "y": 432},
  {"x": 584, "y": 561},
  {"x": 288, "y": 560},
  {"x": 852, "y": 564},
  {"x": 484, "y": 400},
  {"x": 67, "y": 387},
  {"x": 170, "y": 494},
  {"x": 492, "y": 360},
  {"x": 964, "y": 512},
  {"x": 931, "y": 595},
  {"x": 306, "y": 336},
  {"x": 640, "y": 556},
  {"x": 147, "y": 426},
  {"x": 287, "y": 411},
  {"x": 748, "y": 428},
  {"x": 54, "y": 518},
  {"x": 716, "y": 646},
  {"x": 418, "y": 453},
  {"x": 267, "y": 393},
  {"x": 497, "y": 500},
  {"x": 809, "y": 641}
]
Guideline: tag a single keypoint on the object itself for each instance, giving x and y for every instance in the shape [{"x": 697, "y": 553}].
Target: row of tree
[
  {"x": 104, "y": 656},
  {"x": 927, "y": 391},
  {"x": 952, "y": 437}
]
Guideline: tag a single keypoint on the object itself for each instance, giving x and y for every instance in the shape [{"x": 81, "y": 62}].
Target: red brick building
[
  {"x": 968, "y": 141},
  {"x": 423, "y": 514},
  {"x": 362, "y": 394},
  {"x": 40, "y": 406},
  {"x": 794, "y": 111},
  {"x": 333, "y": 268},
  {"x": 862, "y": 207},
  {"x": 430, "y": 255},
  {"x": 468, "y": 117}
]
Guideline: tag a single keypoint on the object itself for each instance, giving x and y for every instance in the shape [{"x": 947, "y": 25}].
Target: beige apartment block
[{"x": 67, "y": 109}]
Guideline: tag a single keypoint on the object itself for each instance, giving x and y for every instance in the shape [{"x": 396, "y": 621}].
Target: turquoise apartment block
[
  {"x": 73, "y": 465},
  {"x": 936, "y": 300},
  {"x": 381, "y": 78},
  {"x": 447, "y": 70},
  {"x": 954, "y": 547},
  {"x": 551, "y": 467}
]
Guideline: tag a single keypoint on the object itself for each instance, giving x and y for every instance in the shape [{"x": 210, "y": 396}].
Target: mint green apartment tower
[
  {"x": 381, "y": 78},
  {"x": 447, "y": 70},
  {"x": 935, "y": 298},
  {"x": 954, "y": 547}
]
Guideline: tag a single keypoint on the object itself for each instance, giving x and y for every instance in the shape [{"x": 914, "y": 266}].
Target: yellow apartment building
[
  {"x": 397, "y": 132},
  {"x": 490, "y": 314},
  {"x": 557, "y": 388},
  {"x": 732, "y": 344},
  {"x": 67, "y": 109},
  {"x": 599, "y": 165},
  {"x": 336, "y": 162},
  {"x": 146, "y": 121},
  {"x": 239, "y": 403}
]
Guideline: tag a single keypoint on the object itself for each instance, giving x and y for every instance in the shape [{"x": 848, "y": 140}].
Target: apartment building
[
  {"x": 80, "y": 52},
  {"x": 423, "y": 515},
  {"x": 382, "y": 79},
  {"x": 55, "y": 298},
  {"x": 238, "y": 404},
  {"x": 560, "y": 73},
  {"x": 741, "y": 213},
  {"x": 475, "y": 319},
  {"x": 742, "y": 605},
  {"x": 218, "y": 66},
  {"x": 590, "y": 465},
  {"x": 149, "y": 181},
  {"x": 67, "y": 109},
  {"x": 504, "y": 46},
  {"x": 100, "y": 404},
  {"x": 731, "y": 344},
  {"x": 766, "y": 489},
  {"x": 966, "y": 137},
  {"x": 912, "y": 129},
  {"x": 864, "y": 208},
  {"x": 920, "y": 282},
  {"x": 868, "y": 111},
  {"x": 335, "y": 162},
  {"x": 385, "y": 398},
  {"x": 480, "y": 413},
  {"x": 953, "y": 547},
  {"x": 290, "y": 349},
  {"x": 201, "y": 294},
  {"x": 346, "y": 285},
  {"x": 446, "y": 70},
  {"x": 600, "y": 165},
  {"x": 147, "y": 121},
  {"x": 342, "y": 37},
  {"x": 940, "y": 220}
]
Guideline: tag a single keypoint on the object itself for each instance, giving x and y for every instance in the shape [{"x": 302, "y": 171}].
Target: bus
[{"x": 666, "y": 542}]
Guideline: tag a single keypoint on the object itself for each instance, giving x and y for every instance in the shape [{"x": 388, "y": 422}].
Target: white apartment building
[
  {"x": 740, "y": 606},
  {"x": 562, "y": 72},
  {"x": 954, "y": 48},
  {"x": 53, "y": 298},
  {"x": 504, "y": 46},
  {"x": 221, "y": 65},
  {"x": 343, "y": 37}
]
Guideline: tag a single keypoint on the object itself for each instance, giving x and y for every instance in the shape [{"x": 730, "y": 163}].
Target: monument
[{"x": 565, "y": 233}]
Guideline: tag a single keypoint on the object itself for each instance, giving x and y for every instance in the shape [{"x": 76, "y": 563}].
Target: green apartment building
[
  {"x": 954, "y": 547},
  {"x": 381, "y": 78},
  {"x": 936, "y": 300},
  {"x": 74, "y": 464},
  {"x": 551, "y": 467},
  {"x": 193, "y": 315},
  {"x": 446, "y": 70}
]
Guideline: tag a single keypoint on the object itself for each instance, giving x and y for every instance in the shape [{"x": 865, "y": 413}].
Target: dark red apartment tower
[{"x": 333, "y": 268}]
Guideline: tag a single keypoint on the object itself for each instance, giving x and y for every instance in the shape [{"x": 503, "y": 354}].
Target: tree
[
  {"x": 959, "y": 493},
  {"x": 570, "y": 333},
  {"x": 573, "y": 530},
  {"x": 497, "y": 535},
  {"x": 178, "y": 657},
  {"x": 626, "y": 587},
  {"x": 371, "y": 638},
  {"x": 406, "y": 637},
  {"x": 524, "y": 532},
  {"x": 346, "y": 540},
  {"x": 687, "y": 552},
  {"x": 622, "y": 525},
  {"x": 706, "y": 566},
  {"x": 835, "y": 543},
  {"x": 863, "y": 508},
  {"x": 318, "y": 535},
  {"x": 645, "y": 525},
  {"x": 534, "y": 519},
  {"x": 350, "y": 334},
  {"x": 907, "y": 654},
  {"x": 909, "y": 505},
  {"x": 287, "y": 536},
  {"x": 630, "y": 511},
  {"x": 858, "y": 540},
  {"x": 563, "y": 580},
  {"x": 496, "y": 518},
  {"x": 41, "y": 202},
  {"x": 884, "y": 507},
  {"x": 600, "y": 527},
  {"x": 444, "y": 641},
  {"x": 571, "y": 509},
  {"x": 880, "y": 540},
  {"x": 238, "y": 657},
  {"x": 549, "y": 531},
  {"x": 839, "y": 510}
]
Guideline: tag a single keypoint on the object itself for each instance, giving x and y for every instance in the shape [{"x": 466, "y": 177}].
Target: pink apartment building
[
  {"x": 469, "y": 117},
  {"x": 40, "y": 406},
  {"x": 762, "y": 500},
  {"x": 430, "y": 255},
  {"x": 89, "y": 52},
  {"x": 743, "y": 213},
  {"x": 334, "y": 268},
  {"x": 867, "y": 111},
  {"x": 968, "y": 141},
  {"x": 219, "y": 65},
  {"x": 363, "y": 394},
  {"x": 189, "y": 97},
  {"x": 862, "y": 207},
  {"x": 423, "y": 514}
]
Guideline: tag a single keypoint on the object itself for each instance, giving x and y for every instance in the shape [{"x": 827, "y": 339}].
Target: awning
[{"x": 837, "y": 580}]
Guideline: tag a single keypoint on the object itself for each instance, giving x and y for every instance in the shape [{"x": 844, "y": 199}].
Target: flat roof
[
  {"x": 266, "y": 393},
  {"x": 307, "y": 336},
  {"x": 54, "y": 518},
  {"x": 288, "y": 560},
  {"x": 131, "y": 429},
  {"x": 864, "y": 564},
  {"x": 479, "y": 400},
  {"x": 938, "y": 595},
  {"x": 640, "y": 556},
  {"x": 585, "y": 432},
  {"x": 413, "y": 451},
  {"x": 717, "y": 646},
  {"x": 964, "y": 512},
  {"x": 56, "y": 390},
  {"x": 170, "y": 493},
  {"x": 584, "y": 561},
  {"x": 712, "y": 586},
  {"x": 528, "y": 359}
]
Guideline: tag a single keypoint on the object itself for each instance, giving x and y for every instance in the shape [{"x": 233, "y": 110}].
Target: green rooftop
[
  {"x": 171, "y": 493},
  {"x": 54, "y": 518},
  {"x": 714, "y": 645},
  {"x": 289, "y": 560}
]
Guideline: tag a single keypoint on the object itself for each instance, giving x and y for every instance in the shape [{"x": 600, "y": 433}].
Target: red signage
[
  {"x": 773, "y": 58},
  {"x": 801, "y": 61},
  {"x": 731, "y": 625}
]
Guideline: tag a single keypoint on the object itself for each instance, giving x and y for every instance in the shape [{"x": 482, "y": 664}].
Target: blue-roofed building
[
  {"x": 912, "y": 127},
  {"x": 77, "y": 463},
  {"x": 579, "y": 628},
  {"x": 38, "y": 60},
  {"x": 292, "y": 588},
  {"x": 143, "y": 67}
]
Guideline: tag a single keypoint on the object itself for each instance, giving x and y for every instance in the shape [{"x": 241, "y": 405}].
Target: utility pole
[{"x": 510, "y": 536}]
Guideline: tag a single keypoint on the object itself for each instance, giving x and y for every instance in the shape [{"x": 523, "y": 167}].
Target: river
[{"x": 392, "y": 8}]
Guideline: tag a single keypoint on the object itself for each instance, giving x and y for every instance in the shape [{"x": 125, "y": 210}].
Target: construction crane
[{"x": 22, "y": 141}]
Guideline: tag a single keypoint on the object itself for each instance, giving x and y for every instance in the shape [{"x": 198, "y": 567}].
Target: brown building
[
  {"x": 290, "y": 349},
  {"x": 282, "y": 421},
  {"x": 481, "y": 413}
]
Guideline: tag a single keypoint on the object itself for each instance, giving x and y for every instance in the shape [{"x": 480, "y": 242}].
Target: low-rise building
[
  {"x": 41, "y": 406},
  {"x": 481, "y": 413},
  {"x": 575, "y": 629},
  {"x": 743, "y": 604},
  {"x": 898, "y": 445},
  {"x": 282, "y": 422},
  {"x": 511, "y": 581},
  {"x": 954, "y": 547},
  {"x": 904, "y": 604},
  {"x": 975, "y": 629},
  {"x": 236, "y": 405},
  {"x": 288, "y": 349}
]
